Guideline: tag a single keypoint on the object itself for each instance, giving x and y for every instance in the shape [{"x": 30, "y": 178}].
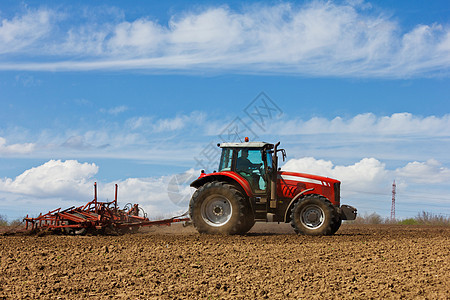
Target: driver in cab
[
  {"x": 244, "y": 164},
  {"x": 245, "y": 167}
]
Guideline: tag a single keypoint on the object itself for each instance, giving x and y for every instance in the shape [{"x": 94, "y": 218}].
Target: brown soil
[{"x": 360, "y": 262}]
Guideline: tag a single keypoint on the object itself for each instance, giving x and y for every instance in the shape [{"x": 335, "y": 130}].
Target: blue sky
[{"x": 133, "y": 93}]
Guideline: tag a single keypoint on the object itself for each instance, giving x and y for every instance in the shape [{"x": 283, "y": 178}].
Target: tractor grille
[{"x": 337, "y": 193}]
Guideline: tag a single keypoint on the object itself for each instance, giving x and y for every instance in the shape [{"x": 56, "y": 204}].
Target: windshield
[{"x": 225, "y": 160}]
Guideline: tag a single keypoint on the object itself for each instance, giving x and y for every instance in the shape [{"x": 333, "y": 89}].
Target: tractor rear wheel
[
  {"x": 217, "y": 208},
  {"x": 314, "y": 215},
  {"x": 248, "y": 218}
]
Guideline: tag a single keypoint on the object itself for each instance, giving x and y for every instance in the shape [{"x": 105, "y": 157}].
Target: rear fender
[{"x": 230, "y": 177}]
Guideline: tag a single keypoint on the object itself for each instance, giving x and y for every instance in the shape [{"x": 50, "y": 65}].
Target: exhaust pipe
[{"x": 274, "y": 178}]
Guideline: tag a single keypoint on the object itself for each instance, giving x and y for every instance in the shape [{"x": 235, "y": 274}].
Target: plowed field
[{"x": 271, "y": 262}]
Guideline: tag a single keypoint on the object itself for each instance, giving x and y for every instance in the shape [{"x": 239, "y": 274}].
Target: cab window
[{"x": 225, "y": 160}]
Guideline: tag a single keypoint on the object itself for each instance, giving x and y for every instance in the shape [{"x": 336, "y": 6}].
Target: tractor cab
[
  {"x": 251, "y": 160},
  {"x": 257, "y": 163}
]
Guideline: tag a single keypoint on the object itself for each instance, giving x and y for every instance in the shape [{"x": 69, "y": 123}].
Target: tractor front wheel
[
  {"x": 217, "y": 207},
  {"x": 337, "y": 223},
  {"x": 314, "y": 215}
]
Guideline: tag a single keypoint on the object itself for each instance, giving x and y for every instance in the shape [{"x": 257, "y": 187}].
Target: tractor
[{"x": 249, "y": 187}]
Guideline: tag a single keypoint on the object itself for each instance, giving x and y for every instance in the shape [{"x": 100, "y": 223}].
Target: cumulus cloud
[
  {"x": 369, "y": 174},
  {"x": 366, "y": 184},
  {"x": 216, "y": 29},
  {"x": 57, "y": 182},
  {"x": 149, "y": 193},
  {"x": 163, "y": 196},
  {"x": 54, "y": 179},
  {"x": 315, "y": 39},
  {"x": 429, "y": 172},
  {"x": 15, "y": 149},
  {"x": 136, "y": 38}
]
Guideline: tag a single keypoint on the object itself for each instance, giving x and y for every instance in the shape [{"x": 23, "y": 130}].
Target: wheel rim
[
  {"x": 216, "y": 210},
  {"x": 312, "y": 216}
]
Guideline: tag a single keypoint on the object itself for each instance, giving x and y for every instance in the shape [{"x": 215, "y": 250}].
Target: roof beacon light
[{"x": 246, "y": 139}]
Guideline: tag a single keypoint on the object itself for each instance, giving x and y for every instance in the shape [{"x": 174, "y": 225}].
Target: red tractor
[{"x": 250, "y": 187}]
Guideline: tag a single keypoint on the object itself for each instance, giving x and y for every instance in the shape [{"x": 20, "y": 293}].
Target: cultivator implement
[{"x": 96, "y": 217}]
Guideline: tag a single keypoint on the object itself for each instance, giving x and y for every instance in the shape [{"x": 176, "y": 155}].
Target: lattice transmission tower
[{"x": 393, "y": 201}]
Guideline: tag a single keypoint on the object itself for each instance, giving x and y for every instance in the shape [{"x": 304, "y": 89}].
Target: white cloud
[
  {"x": 429, "y": 172},
  {"x": 138, "y": 122},
  {"x": 427, "y": 46},
  {"x": 172, "y": 124},
  {"x": 65, "y": 183},
  {"x": 397, "y": 138},
  {"x": 159, "y": 196},
  {"x": 369, "y": 174},
  {"x": 136, "y": 38},
  {"x": 176, "y": 123},
  {"x": 368, "y": 123},
  {"x": 149, "y": 193},
  {"x": 84, "y": 40},
  {"x": 367, "y": 184},
  {"x": 314, "y": 39},
  {"x": 55, "y": 179},
  {"x": 15, "y": 149},
  {"x": 216, "y": 29},
  {"x": 22, "y": 31},
  {"x": 116, "y": 110}
]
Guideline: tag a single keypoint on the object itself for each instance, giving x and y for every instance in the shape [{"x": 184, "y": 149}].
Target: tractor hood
[
  {"x": 291, "y": 184},
  {"x": 302, "y": 177}
]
